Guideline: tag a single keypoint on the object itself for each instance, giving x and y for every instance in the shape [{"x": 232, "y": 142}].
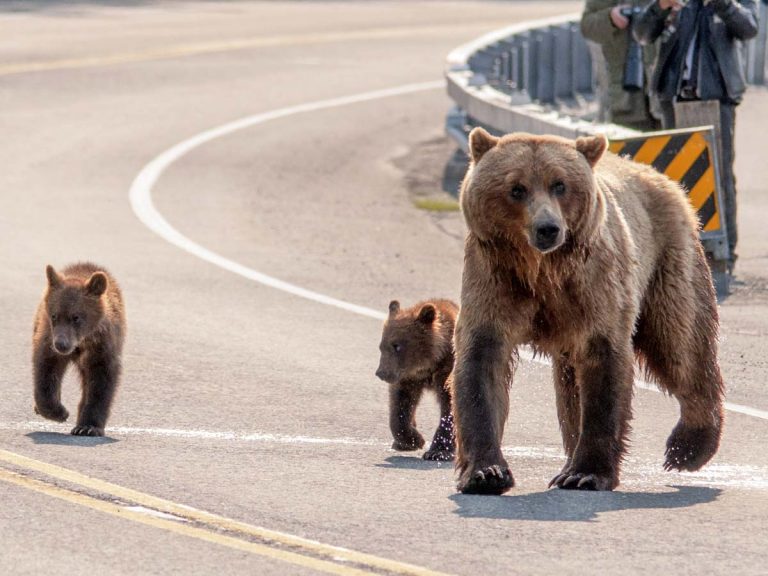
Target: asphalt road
[{"x": 250, "y": 435}]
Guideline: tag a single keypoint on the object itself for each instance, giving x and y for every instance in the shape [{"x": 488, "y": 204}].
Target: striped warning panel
[{"x": 685, "y": 157}]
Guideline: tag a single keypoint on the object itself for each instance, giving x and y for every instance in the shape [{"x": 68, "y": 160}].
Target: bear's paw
[
  {"x": 573, "y": 480},
  {"x": 87, "y": 430},
  {"x": 489, "y": 480}
]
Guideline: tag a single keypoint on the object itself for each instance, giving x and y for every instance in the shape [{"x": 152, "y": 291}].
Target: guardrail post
[
  {"x": 561, "y": 54},
  {"x": 544, "y": 66},
  {"x": 581, "y": 62}
]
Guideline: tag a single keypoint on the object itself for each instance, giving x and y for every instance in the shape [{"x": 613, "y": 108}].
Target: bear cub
[
  {"x": 417, "y": 354},
  {"x": 80, "y": 321}
]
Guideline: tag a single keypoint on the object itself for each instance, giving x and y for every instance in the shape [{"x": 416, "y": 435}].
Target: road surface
[{"x": 250, "y": 434}]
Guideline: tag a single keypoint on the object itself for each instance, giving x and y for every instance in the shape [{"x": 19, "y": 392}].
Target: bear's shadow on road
[
  {"x": 57, "y": 438},
  {"x": 574, "y": 506}
]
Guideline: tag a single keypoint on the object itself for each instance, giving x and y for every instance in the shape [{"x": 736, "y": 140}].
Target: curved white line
[{"x": 144, "y": 208}]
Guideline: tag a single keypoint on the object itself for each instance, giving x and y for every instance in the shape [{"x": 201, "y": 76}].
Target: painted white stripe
[{"x": 144, "y": 208}]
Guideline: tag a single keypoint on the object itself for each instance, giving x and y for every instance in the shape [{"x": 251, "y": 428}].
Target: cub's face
[
  {"x": 530, "y": 189},
  {"x": 407, "y": 344},
  {"x": 74, "y": 309}
]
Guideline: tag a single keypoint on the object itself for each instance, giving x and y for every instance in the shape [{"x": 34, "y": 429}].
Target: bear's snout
[
  {"x": 381, "y": 374},
  {"x": 62, "y": 345},
  {"x": 547, "y": 236}
]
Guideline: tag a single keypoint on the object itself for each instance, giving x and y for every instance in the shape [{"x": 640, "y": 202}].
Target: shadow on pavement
[
  {"x": 69, "y": 440},
  {"x": 413, "y": 463},
  {"x": 68, "y": 5},
  {"x": 574, "y": 506}
]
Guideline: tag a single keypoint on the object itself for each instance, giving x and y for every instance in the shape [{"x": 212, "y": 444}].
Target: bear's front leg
[
  {"x": 604, "y": 373},
  {"x": 481, "y": 404},
  {"x": 100, "y": 373},
  {"x": 49, "y": 369},
  {"x": 403, "y": 399}
]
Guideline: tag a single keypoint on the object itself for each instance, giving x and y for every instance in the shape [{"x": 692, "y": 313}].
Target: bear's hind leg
[
  {"x": 49, "y": 370},
  {"x": 100, "y": 374},
  {"x": 443, "y": 446},
  {"x": 676, "y": 338},
  {"x": 568, "y": 407},
  {"x": 403, "y": 400},
  {"x": 604, "y": 373}
]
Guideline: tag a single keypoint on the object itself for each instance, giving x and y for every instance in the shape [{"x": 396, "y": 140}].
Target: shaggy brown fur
[
  {"x": 591, "y": 259},
  {"x": 417, "y": 354},
  {"x": 81, "y": 321}
]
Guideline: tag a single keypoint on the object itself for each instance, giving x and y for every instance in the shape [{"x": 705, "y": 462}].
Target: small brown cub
[
  {"x": 80, "y": 320},
  {"x": 417, "y": 354}
]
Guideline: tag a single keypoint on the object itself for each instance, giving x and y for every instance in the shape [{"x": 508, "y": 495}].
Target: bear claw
[
  {"x": 87, "y": 430},
  {"x": 582, "y": 481},
  {"x": 489, "y": 480}
]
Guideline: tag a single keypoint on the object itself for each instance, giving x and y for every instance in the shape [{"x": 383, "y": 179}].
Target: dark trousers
[{"x": 727, "y": 177}]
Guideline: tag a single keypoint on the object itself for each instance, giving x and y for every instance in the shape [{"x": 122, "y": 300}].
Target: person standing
[
  {"x": 607, "y": 23},
  {"x": 700, "y": 59}
]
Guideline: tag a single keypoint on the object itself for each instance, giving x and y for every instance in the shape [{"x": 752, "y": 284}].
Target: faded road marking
[{"x": 194, "y": 523}]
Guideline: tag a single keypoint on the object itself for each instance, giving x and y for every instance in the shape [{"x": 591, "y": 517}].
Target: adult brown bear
[{"x": 590, "y": 259}]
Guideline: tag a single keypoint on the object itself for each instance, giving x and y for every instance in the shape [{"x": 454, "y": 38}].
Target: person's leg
[{"x": 727, "y": 177}]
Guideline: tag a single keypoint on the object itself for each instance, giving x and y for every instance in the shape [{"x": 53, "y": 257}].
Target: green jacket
[{"x": 628, "y": 108}]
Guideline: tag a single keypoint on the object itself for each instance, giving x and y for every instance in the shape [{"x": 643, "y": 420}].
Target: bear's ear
[
  {"x": 54, "y": 280},
  {"x": 592, "y": 147},
  {"x": 97, "y": 284},
  {"x": 479, "y": 143},
  {"x": 427, "y": 314},
  {"x": 394, "y": 307}
]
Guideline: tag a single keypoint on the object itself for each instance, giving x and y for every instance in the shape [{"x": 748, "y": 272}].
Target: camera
[{"x": 632, "y": 80}]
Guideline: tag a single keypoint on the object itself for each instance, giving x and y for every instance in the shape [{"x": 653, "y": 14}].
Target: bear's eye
[
  {"x": 77, "y": 319},
  {"x": 54, "y": 317},
  {"x": 558, "y": 188},
  {"x": 396, "y": 347},
  {"x": 518, "y": 192}
]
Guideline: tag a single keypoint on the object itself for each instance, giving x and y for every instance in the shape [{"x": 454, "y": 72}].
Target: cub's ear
[
  {"x": 592, "y": 147},
  {"x": 479, "y": 143},
  {"x": 394, "y": 307},
  {"x": 54, "y": 280},
  {"x": 97, "y": 284},
  {"x": 427, "y": 314}
]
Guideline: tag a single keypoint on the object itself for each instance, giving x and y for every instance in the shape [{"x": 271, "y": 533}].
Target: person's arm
[
  {"x": 649, "y": 24},
  {"x": 597, "y": 22},
  {"x": 740, "y": 17}
]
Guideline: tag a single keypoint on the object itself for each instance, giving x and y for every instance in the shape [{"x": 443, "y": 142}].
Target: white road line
[{"x": 144, "y": 208}]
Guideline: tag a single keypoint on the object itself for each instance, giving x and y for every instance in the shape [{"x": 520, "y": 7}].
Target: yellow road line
[
  {"x": 183, "y": 50},
  {"x": 216, "y": 521},
  {"x": 177, "y": 527}
]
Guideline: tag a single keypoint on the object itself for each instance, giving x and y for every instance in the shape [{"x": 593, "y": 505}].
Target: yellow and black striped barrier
[{"x": 687, "y": 156}]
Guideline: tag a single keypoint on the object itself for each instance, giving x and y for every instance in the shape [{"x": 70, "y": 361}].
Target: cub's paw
[
  {"x": 691, "y": 448},
  {"x": 87, "y": 430},
  {"x": 408, "y": 442},
  {"x": 438, "y": 454},
  {"x": 57, "y": 413},
  {"x": 489, "y": 480},
  {"x": 573, "y": 480}
]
